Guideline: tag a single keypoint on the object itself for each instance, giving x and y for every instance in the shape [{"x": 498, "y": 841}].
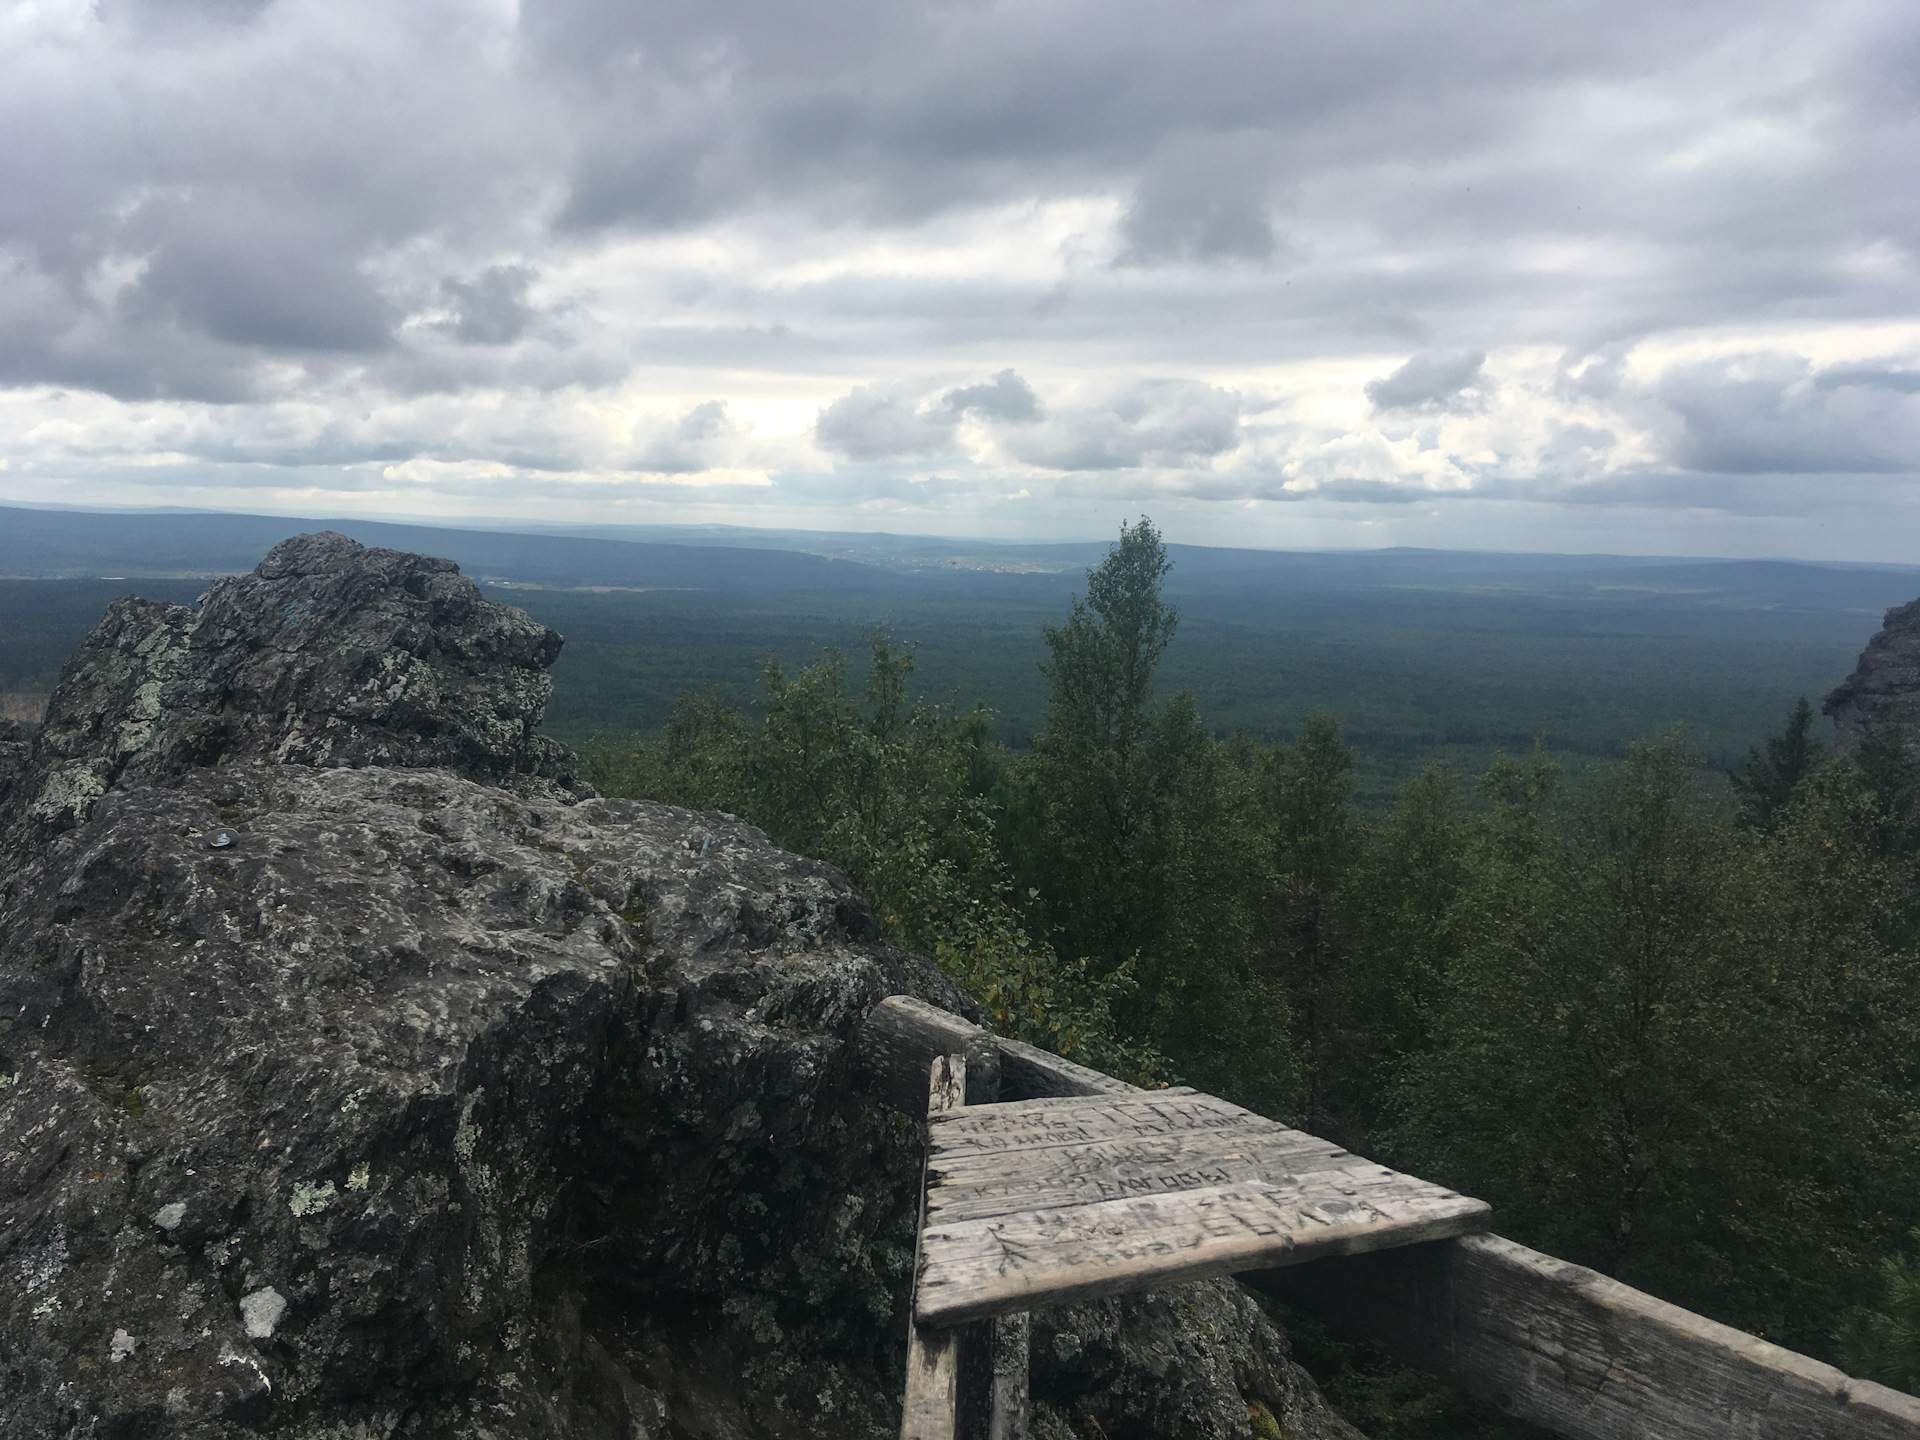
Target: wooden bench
[
  {"x": 1028, "y": 1203},
  {"x": 1541, "y": 1340}
]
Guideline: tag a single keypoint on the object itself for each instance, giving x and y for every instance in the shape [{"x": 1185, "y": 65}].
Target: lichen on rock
[{"x": 469, "y": 1103}]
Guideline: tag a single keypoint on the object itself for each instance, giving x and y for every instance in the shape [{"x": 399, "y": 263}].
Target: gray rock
[
  {"x": 1881, "y": 699},
  {"x": 452, "y": 1101},
  {"x": 329, "y": 653},
  {"x": 260, "y": 1312},
  {"x": 15, "y": 740}
]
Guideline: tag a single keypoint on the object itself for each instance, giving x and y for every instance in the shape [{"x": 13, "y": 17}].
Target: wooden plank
[
  {"x": 1068, "y": 1160},
  {"x": 1356, "y": 1183},
  {"x": 986, "y": 1267},
  {"x": 1583, "y": 1356},
  {"x": 900, "y": 1037},
  {"x": 1012, "y": 1344},
  {"x": 1116, "y": 1170},
  {"x": 993, "y": 1128},
  {"x": 930, "y": 1408},
  {"x": 1069, "y": 1104},
  {"x": 1029, "y": 1070}
]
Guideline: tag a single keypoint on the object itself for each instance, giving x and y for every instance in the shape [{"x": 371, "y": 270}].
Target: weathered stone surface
[
  {"x": 445, "y": 1102},
  {"x": 329, "y": 653},
  {"x": 1881, "y": 699},
  {"x": 1196, "y": 1360},
  {"x": 15, "y": 739}
]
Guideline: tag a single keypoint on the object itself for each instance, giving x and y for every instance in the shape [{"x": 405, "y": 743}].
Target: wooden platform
[{"x": 1036, "y": 1202}]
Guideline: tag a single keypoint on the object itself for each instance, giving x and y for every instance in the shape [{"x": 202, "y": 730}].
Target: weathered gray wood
[
  {"x": 900, "y": 1037},
  {"x": 1012, "y": 1374},
  {"x": 930, "y": 1409},
  {"x": 980, "y": 1345},
  {"x": 1584, "y": 1356},
  {"x": 1083, "y": 1175},
  {"x": 986, "y": 1129},
  {"x": 986, "y": 1267},
  {"x": 1029, "y": 1070},
  {"x": 1067, "y": 1104}
]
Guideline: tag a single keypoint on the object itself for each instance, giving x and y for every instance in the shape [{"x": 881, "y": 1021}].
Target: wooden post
[
  {"x": 1012, "y": 1340},
  {"x": 967, "y": 1382},
  {"x": 994, "y": 1354},
  {"x": 931, "y": 1408},
  {"x": 899, "y": 1038}
]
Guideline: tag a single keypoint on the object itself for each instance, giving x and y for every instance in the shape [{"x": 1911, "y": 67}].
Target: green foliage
[
  {"x": 1403, "y": 903},
  {"x": 1130, "y": 817},
  {"x": 1882, "y": 1341},
  {"x": 1313, "y": 843},
  {"x": 1672, "y": 1050},
  {"x": 1426, "y": 667},
  {"x": 1665, "y": 1034},
  {"x": 1384, "y": 1399},
  {"x": 1766, "y": 784},
  {"x": 897, "y": 794},
  {"x": 1107, "y": 767}
]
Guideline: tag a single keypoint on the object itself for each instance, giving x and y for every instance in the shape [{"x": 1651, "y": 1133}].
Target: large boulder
[
  {"x": 329, "y": 653},
  {"x": 358, "y": 1078},
  {"x": 1881, "y": 699}
]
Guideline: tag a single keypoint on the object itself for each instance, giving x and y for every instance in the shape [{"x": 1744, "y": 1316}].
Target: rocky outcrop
[
  {"x": 361, "y": 1076},
  {"x": 1881, "y": 699},
  {"x": 329, "y": 653}
]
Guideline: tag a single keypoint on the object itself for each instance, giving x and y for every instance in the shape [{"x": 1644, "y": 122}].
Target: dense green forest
[
  {"x": 1663, "y": 1019},
  {"x": 1426, "y": 656},
  {"x": 1444, "y": 678}
]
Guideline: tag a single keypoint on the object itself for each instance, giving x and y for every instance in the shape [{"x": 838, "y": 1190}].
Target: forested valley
[{"x": 1664, "y": 1019}]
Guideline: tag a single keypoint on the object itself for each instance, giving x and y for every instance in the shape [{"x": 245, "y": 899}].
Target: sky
[{"x": 1627, "y": 277}]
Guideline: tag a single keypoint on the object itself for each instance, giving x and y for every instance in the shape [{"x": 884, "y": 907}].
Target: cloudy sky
[{"x": 1625, "y": 276}]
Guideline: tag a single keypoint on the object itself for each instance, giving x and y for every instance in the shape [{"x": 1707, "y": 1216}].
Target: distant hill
[
  {"x": 719, "y": 559},
  {"x": 68, "y": 544},
  {"x": 1426, "y": 655}
]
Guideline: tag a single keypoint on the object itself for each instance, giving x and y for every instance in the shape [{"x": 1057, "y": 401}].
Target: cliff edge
[
  {"x": 363, "y": 1075},
  {"x": 1881, "y": 698}
]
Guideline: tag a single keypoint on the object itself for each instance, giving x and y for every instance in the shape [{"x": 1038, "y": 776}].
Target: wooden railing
[{"x": 1543, "y": 1341}]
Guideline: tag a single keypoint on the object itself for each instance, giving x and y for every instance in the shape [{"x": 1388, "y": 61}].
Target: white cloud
[{"x": 817, "y": 263}]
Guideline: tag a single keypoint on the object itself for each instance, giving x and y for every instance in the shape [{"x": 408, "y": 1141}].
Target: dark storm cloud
[
  {"x": 491, "y": 308},
  {"x": 1771, "y": 414},
  {"x": 254, "y": 275},
  {"x": 1446, "y": 139},
  {"x": 1439, "y": 381},
  {"x": 1005, "y": 397},
  {"x": 1202, "y": 198},
  {"x": 175, "y": 15}
]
